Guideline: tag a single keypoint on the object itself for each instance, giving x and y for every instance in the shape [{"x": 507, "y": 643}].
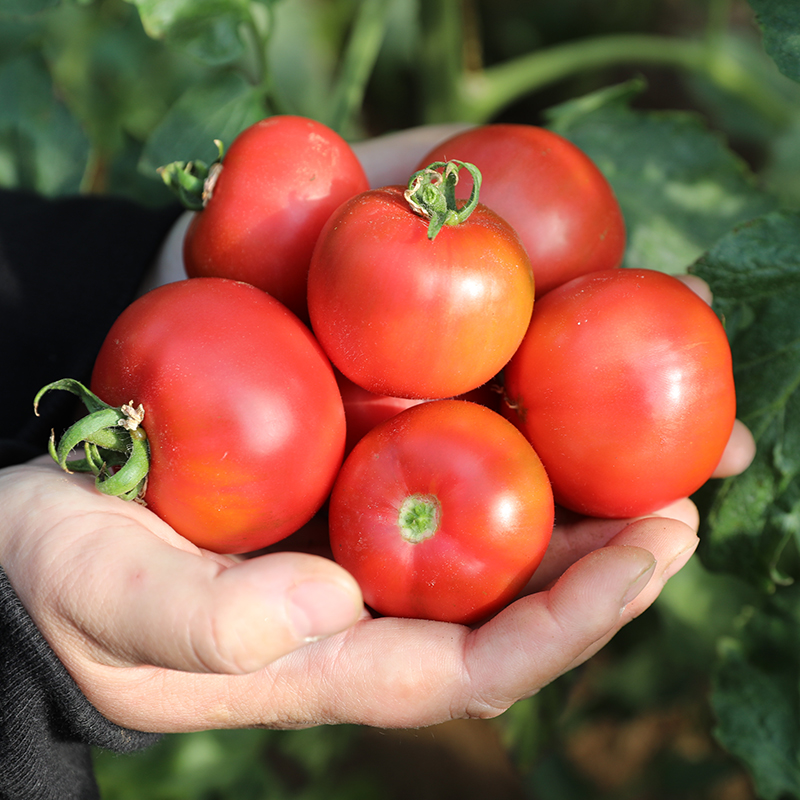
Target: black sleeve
[
  {"x": 68, "y": 267},
  {"x": 46, "y": 724}
]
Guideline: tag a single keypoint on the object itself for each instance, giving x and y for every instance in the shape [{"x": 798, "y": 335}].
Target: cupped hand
[{"x": 161, "y": 636}]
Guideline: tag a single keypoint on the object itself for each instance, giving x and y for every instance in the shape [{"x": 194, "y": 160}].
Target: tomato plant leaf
[
  {"x": 220, "y": 107},
  {"x": 26, "y": 8},
  {"x": 208, "y": 29},
  {"x": 779, "y": 21},
  {"x": 678, "y": 184},
  {"x": 42, "y": 146},
  {"x": 756, "y": 697},
  {"x": 754, "y": 272}
]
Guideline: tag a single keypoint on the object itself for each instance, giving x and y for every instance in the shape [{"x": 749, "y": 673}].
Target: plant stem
[
  {"x": 257, "y": 31},
  {"x": 442, "y": 63},
  {"x": 358, "y": 61},
  {"x": 485, "y": 93},
  {"x": 480, "y": 95},
  {"x": 719, "y": 14},
  {"x": 95, "y": 174}
]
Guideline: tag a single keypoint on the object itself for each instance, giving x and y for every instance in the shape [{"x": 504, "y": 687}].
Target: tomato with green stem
[
  {"x": 550, "y": 191},
  {"x": 237, "y": 403},
  {"x": 261, "y": 207},
  {"x": 442, "y": 512},
  {"x": 413, "y": 295},
  {"x": 624, "y": 387}
]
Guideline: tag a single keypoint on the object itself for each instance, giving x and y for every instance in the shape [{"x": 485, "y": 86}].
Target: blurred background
[{"x": 692, "y": 109}]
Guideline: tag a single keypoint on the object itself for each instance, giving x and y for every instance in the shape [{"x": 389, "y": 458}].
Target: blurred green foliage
[
  {"x": 692, "y": 110},
  {"x": 98, "y": 94}
]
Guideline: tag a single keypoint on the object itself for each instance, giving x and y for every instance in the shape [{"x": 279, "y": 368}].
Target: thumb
[
  {"x": 543, "y": 635},
  {"x": 170, "y": 608}
]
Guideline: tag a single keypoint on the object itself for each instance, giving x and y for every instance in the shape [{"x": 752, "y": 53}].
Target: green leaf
[
  {"x": 42, "y": 147},
  {"x": 756, "y": 698},
  {"x": 208, "y": 29},
  {"x": 220, "y": 107},
  {"x": 781, "y": 173},
  {"x": 25, "y": 8},
  {"x": 679, "y": 185},
  {"x": 303, "y": 56},
  {"x": 779, "y": 21},
  {"x": 754, "y": 272}
]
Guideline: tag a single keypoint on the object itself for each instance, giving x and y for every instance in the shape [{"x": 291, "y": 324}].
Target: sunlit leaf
[
  {"x": 679, "y": 186},
  {"x": 217, "y": 108},
  {"x": 208, "y": 29},
  {"x": 754, "y": 272}
]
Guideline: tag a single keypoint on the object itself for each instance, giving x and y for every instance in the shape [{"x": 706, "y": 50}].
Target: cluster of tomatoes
[{"x": 435, "y": 364}]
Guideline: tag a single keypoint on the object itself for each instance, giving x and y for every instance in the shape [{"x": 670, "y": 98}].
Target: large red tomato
[
  {"x": 242, "y": 411},
  {"x": 624, "y": 386},
  {"x": 552, "y": 194},
  {"x": 442, "y": 512},
  {"x": 404, "y": 315},
  {"x": 279, "y": 182}
]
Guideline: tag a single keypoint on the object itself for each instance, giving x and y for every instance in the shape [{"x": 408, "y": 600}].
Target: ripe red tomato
[
  {"x": 364, "y": 410},
  {"x": 624, "y": 386},
  {"x": 279, "y": 182},
  {"x": 442, "y": 512},
  {"x": 551, "y": 193},
  {"x": 242, "y": 411},
  {"x": 402, "y": 315}
]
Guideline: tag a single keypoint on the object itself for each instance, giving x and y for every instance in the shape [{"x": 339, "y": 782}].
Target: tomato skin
[
  {"x": 496, "y": 513},
  {"x": 551, "y": 193},
  {"x": 364, "y": 410},
  {"x": 624, "y": 386},
  {"x": 242, "y": 410},
  {"x": 405, "y": 316},
  {"x": 281, "y": 179}
]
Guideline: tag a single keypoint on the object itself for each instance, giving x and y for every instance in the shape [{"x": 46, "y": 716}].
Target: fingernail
[
  {"x": 637, "y": 584},
  {"x": 320, "y": 608},
  {"x": 679, "y": 561}
]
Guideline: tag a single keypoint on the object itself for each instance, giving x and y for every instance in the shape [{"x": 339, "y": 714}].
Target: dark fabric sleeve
[
  {"x": 46, "y": 724},
  {"x": 68, "y": 267}
]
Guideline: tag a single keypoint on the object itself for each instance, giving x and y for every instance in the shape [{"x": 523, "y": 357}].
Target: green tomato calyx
[
  {"x": 115, "y": 445},
  {"x": 419, "y": 517},
  {"x": 193, "y": 181},
  {"x": 431, "y": 193}
]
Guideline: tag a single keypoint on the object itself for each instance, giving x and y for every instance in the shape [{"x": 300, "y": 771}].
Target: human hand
[{"x": 161, "y": 636}]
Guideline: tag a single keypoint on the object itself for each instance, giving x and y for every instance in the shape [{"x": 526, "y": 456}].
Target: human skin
[{"x": 162, "y": 636}]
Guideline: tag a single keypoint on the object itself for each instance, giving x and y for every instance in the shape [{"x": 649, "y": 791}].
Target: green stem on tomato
[
  {"x": 431, "y": 193},
  {"x": 419, "y": 517},
  {"x": 193, "y": 181},
  {"x": 115, "y": 445}
]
